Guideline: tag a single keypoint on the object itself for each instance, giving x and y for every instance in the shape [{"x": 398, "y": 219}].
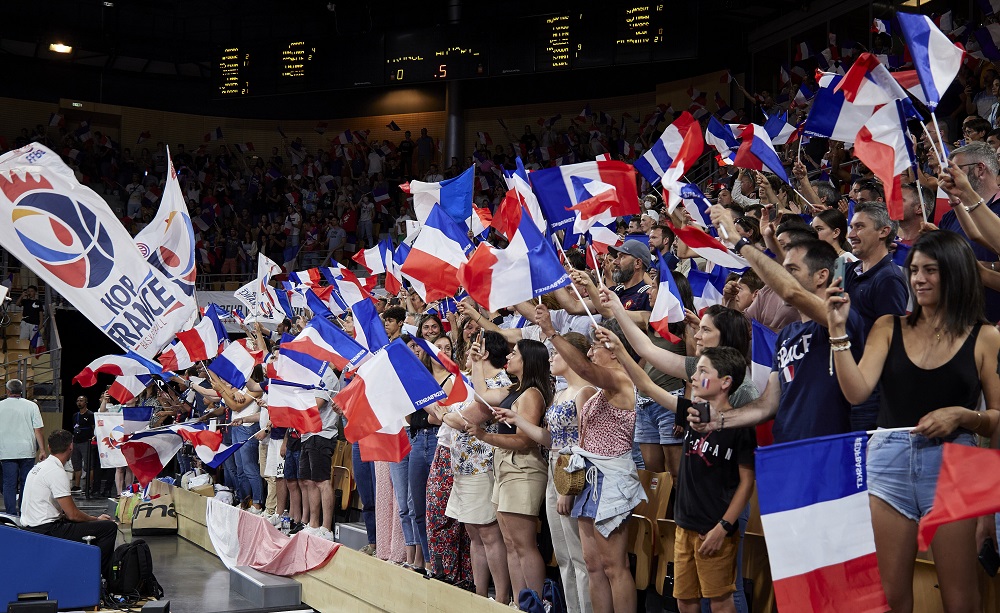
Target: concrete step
[
  {"x": 264, "y": 590},
  {"x": 351, "y": 535}
]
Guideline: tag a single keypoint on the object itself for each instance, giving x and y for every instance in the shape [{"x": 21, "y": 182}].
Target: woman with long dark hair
[
  {"x": 933, "y": 365},
  {"x": 518, "y": 466},
  {"x": 831, "y": 227}
]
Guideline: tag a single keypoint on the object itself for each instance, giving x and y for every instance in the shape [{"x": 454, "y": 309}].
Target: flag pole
[
  {"x": 941, "y": 157},
  {"x": 579, "y": 295},
  {"x": 903, "y": 429},
  {"x": 593, "y": 254},
  {"x": 934, "y": 145}
]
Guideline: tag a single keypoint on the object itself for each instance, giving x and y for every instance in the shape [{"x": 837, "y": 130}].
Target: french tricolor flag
[
  {"x": 235, "y": 363},
  {"x": 708, "y": 247},
  {"x": 385, "y": 447},
  {"x": 207, "y": 443},
  {"x": 778, "y": 128},
  {"x": 129, "y": 364},
  {"x": 127, "y": 387},
  {"x": 214, "y": 135},
  {"x": 655, "y": 162},
  {"x": 815, "y": 511},
  {"x": 343, "y": 138},
  {"x": 935, "y": 58},
  {"x": 199, "y": 343},
  {"x": 518, "y": 181},
  {"x": 668, "y": 308},
  {"x": 757, "y": 152},
  {"x": 369, "y": 330},
  {"x": 325, "y": 341},
  {"x": 528, "y": 267},
  {"x": 393, "y": 276},
  {"x": 296, "y": 367},
  {"x": 374, "y": 259},
  {"x": 554, "y": 188},
  {"x": 454, "y": 196},
  {"x": 461, "y": 389},
  {"x": 292, "y": 406},
  {"x": 309, "y": 277},
  {"x": 884, "y": 146},
  {"x": 707, "y": 286},
  {"x": 147, "y": 452},
  {"x": 595, "y": 201},
  {"x": 868, "y": 82},
  {"x": 723, "y": 138},
  {"x": 441, "y": 247},
  {"x": 378, "y": 397},
  {"x": 832, "y": 116}
]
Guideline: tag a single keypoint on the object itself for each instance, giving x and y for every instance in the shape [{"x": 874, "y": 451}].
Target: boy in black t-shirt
[{"x": 714, "y": 483}]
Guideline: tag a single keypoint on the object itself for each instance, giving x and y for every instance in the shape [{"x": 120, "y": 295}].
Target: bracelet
[
  {"x": 969, "y": 209},
  {"x": 838, "y": 339},
  {"x": 979, "y": 420},
  {"x": 843, "y": 347}
]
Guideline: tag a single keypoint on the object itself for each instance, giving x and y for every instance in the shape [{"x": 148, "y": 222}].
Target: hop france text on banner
[{"x": 67, "y": 235}]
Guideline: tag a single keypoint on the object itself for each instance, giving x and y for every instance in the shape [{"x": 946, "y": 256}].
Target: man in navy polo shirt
[
  {"x": 874, "y": 282},
  {"x": 802, "y": 394}
]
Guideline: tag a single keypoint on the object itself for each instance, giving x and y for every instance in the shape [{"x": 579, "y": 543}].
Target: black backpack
[{"x": 131, "y": 571}]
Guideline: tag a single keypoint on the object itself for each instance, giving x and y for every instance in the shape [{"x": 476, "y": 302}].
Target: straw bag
[{"x": 567, "y": 483}]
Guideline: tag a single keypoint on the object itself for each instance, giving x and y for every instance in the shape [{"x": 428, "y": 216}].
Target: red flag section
[{"x": 967, "y": 487}]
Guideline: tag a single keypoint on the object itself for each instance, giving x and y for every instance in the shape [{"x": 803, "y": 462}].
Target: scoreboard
[{"x": 617, "y": 33}]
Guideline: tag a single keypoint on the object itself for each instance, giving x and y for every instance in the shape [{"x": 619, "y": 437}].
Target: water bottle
[{"x": 286, "y": 523}]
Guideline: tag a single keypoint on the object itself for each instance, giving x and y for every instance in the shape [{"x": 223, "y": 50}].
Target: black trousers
[{"x": 104, "y": 532}]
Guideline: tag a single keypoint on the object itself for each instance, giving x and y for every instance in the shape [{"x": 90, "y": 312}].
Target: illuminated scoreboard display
[
  {"x": 616, "y": 33},
  {"x": 233, "y": 69},
  {"x": 450, "y": 53}
]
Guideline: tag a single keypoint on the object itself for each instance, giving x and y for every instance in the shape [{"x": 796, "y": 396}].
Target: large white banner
[
  {"x": 167, "y": 242},
  {"x": 110, "y": 430},
  {"x": 68, "y": 236},
  {"x": 259, "y": 296}
]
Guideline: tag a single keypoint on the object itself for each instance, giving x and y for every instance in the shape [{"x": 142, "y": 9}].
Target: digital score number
[
  {"x": 234, "y": 66},
  {"x": 422, "y": 56}
]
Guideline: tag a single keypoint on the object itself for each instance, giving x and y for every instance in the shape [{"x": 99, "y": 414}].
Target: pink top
[{"x": 607, "y": 430}]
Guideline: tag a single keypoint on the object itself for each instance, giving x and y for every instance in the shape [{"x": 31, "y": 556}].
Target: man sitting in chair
[{"x": 47, "y": 505}]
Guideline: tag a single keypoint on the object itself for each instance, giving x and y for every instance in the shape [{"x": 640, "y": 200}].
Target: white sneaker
[
  {"x": 256, "y": 511},
  {"x": 274, "y": 518},
  {"x": 311, "y": 530},
  {"x": 324, "y": 533}
]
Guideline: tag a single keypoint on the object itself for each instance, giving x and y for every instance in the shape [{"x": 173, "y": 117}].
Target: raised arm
[
  {"x": 756, "y": 412},
  {"x": 773, "y": 274},
  {"x": 979, "y": 222},
  {"x": 857, "y": 380},
  {"x": 664, "y": 361},
  {"x": 636, "y": 373}
]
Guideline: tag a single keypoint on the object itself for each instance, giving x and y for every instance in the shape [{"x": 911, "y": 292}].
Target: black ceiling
[{"x": 131, "y": 45}]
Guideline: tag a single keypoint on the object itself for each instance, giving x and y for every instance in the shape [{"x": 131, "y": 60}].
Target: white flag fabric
[
  {"x": 110, "y": 430},
  {"x": 167, "y": 242},
  {"x": 67, "y": 235},
  {"x": 259, "y": 296}
]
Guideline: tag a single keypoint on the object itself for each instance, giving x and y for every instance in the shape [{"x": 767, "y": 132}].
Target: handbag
[{"x": 567, "y": 483}]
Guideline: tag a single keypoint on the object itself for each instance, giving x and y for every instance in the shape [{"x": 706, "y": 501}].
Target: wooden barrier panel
[{"x": 351, "y": 582}]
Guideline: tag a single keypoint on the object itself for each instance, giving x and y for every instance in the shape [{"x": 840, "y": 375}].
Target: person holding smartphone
[{"x": 715, "y": 480}]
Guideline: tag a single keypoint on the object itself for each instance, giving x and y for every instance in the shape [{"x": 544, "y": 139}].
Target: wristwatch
[
  {"x": 728, "y": 527},
  {"x": 743, "y": 242}
]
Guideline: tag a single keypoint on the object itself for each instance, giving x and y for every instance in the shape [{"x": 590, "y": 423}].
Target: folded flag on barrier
[
  {"x": 385, "y": 389},
  {"x": 814, "y": 509}
]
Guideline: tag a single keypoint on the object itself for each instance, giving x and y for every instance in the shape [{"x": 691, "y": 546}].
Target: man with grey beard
[
  {"x": 979, "y": 162},
  {"x": 631, "y": 260}
]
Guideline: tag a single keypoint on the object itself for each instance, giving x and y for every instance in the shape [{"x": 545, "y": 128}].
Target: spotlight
[{"x": 60, "y": 48}]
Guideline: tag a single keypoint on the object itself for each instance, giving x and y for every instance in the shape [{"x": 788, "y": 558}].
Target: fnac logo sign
[{"x": 62, "y": 234}]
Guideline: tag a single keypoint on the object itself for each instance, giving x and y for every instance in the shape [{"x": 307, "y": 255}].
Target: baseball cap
[{"x": 635, "y": 249}]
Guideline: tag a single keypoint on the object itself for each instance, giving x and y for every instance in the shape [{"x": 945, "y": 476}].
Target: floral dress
[
  {"x": 388, "y": 530},
  {"x": 447, "y": 542}
]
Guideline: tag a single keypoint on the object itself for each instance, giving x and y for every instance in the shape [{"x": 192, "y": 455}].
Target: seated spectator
[{"x": 48, "y": 507}]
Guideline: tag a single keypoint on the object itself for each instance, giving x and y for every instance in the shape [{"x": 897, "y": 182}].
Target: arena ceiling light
[{"x": 60, "y": 48}]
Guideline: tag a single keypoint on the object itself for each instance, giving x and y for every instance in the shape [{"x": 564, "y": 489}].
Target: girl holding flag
[{"x": 944, "y": 344}]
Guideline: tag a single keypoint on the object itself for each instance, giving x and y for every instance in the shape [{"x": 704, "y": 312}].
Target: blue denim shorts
[
  {"x": 903, "y": 469},
  {"x": 291, "y": 464},
  {"x": 654, "y": 425}
]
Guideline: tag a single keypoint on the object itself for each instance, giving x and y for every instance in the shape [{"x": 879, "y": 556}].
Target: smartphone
[
  {"x": 704, "y": 414},
  {"x": 772, "y": 213},
  {"x": 989, "y": 558},
  {"x": 838, "y": 273}
]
